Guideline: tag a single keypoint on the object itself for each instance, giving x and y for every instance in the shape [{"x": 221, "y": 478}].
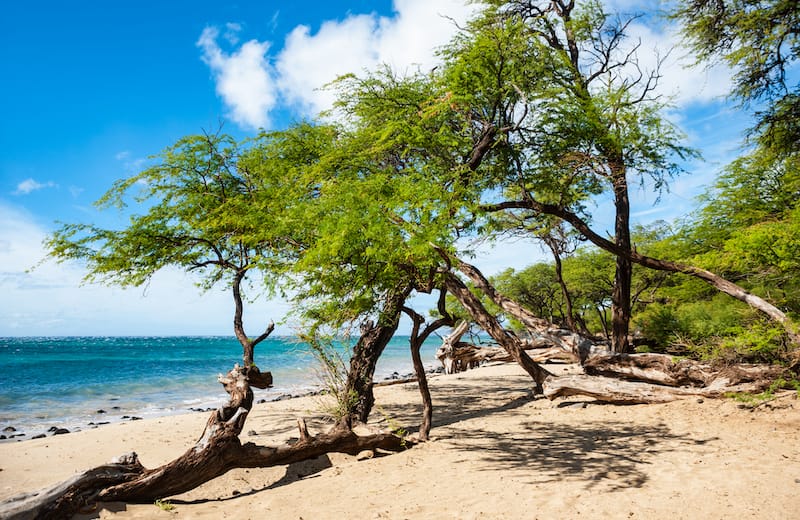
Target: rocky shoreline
[{"x": 11, "y": 433}]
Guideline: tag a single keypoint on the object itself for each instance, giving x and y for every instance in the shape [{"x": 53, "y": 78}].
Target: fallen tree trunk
[
  {"x": 450, "y": 353},
  {"x": 462, "y": 356},
  {"x": 666, "y": 370},
  {"x": 216, "y": 452},
  {"x": 72, "y": 494},
  {"x": 616, "y": 391},
  {"x": 657, "y": 378}
]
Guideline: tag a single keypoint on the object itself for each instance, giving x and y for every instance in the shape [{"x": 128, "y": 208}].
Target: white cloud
[
  {"x": 29, "y": 185},
  {"x": 251, "y": 87},
  {"x": 243, "y": 78},
  {"x": 310, "y": 61},
  {"x": 680, "y": 79},
  {"x": 232, "y": 32}
]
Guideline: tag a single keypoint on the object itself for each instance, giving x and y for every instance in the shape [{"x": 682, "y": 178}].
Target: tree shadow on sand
[
  {"x": 456, "y": 403},
  {"x": 604, "y": 454}
]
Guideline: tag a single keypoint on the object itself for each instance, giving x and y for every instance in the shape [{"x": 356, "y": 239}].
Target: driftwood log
[
  {"x": 461, "y": 356},
  {"x": 656, "y": 378},
  {"x": 218, "y": 451},
  {"x": 454, "y": 354}
]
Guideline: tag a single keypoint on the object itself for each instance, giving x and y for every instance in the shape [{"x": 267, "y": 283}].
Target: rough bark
[
  {"x": 621, "y": 293},
  {"x": 369, "y": 347},
  {"x": 417, "y": 339},
  {"x": 612, "y": 390},
  {"x": 489, "y": 323},
  {"x": 216, "y": 452},
  {"x": 72, "y": 495},
  {"x": 712, "y": 279},
  {"x": 463, "y": 356},
  {"x": 666, "y": 370}
]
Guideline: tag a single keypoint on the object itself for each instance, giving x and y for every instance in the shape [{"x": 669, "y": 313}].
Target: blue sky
[{"x": 90, "y": 89}]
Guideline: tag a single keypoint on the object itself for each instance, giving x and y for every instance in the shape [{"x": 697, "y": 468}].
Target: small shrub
[
  {"x": 164, "y": 505},
  {"x": 332, "y": 373}
]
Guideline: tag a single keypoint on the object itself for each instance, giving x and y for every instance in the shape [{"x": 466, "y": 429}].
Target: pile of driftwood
[{"x": 612, "y": 377}]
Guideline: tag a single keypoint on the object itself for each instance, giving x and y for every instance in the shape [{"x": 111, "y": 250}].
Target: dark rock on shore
[
  {"x": 9, "y": 429},
  {"x": 60, "y": 431},
  {"x": 40, "y": 436}
]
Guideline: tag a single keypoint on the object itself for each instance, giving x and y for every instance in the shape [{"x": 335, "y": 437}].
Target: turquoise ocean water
[{"x": 66, "y": 381}]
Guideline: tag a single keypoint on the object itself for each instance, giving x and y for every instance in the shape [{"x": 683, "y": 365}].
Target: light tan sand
[{"x": 495, "y": 453}]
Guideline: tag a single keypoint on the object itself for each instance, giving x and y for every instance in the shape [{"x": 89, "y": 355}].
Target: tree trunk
[
  {"x": 248, "y": 345},
  {"x": 489, "y": 323},
  {"x": 216, "y": 452},
  {"x": 716, "y": 281},
  {"x": 581, "y": 346},
  {"x": 417, "y": 339},
  {"x": 424, "y": 390},
  {"x": 368, "y": 348},
  {"x": 666, "y": 370},
  {"x": 621, "y": 294},
  {"x": 612, "y": 390}
]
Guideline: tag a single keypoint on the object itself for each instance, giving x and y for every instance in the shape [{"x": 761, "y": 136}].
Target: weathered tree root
[
  {"x": 658, "y": 378},
  {"x": 218, "y": 451},
  {"x": 131, "y": 482}
]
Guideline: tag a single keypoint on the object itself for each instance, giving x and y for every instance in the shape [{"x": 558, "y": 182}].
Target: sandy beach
[{"x": 495, "y": 453}]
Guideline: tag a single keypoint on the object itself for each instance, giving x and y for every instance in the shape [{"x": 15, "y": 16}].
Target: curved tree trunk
[
  {"x": 579, "y": 345},
  {"x": 416, "y": 341},
  {"x": 489, "y": 323},
  {"x": 715, "y": 280},
  {"x": 424, "y": 389},
  {"x": 369, "y": 347}
]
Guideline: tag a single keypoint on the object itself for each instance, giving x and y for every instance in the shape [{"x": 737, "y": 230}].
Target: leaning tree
[
  {"x": 217, "y": 208},
  {"x": 566, "y": 115}
]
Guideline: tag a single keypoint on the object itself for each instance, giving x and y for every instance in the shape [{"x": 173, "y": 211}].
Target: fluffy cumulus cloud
[
  {"x": 30, "y": 185},
  {"x": 309, "y": 60},
  {"x": 243, "y": 77},
  {"x": 251, "y": 86}
]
